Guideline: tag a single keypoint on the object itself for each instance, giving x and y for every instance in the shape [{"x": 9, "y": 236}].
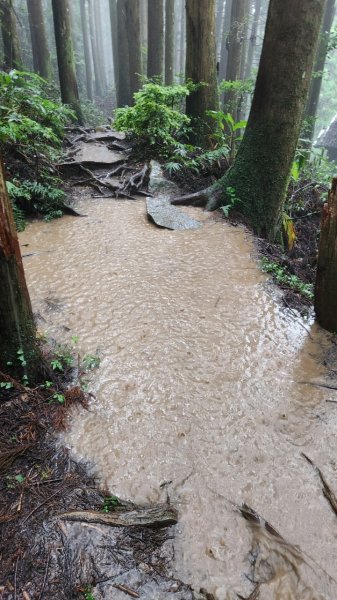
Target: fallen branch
[
  {"x": 154, "y": 517},
  {"x": 126, "y": 590},
  {"x": 327, "y": 491}
]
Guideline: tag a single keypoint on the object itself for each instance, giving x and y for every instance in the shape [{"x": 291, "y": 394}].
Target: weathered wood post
[
  {"x": 18, "y": 348},
  {"x": 326, "y": 278}
]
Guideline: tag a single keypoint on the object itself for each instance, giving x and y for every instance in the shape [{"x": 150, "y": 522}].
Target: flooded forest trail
[{"x": 199, "y": 396}]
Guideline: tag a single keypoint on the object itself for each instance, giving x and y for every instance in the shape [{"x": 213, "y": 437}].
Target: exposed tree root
[{"x": 208, "y": 198}]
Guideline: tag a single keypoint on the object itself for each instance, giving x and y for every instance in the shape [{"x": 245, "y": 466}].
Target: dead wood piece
[
  {"x": 327, "y": 491},
  {"x": 126, "y": 590},
  {"x": 153, "y": 517},
  {"x": 196, "y": 199}
]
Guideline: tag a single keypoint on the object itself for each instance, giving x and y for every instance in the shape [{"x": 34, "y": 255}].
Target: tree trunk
[
  {"x": 169, "y": 41},
  {"x": 235, "y": 53},
  {"x": 219, "y": 27},
  {"x": 114, "y": 39},
  {"x": 326, "y": 278},
  {"x": 316, "y": 82},
  {"x": 143, "y": 32},
  {"x": 183, "y": 41},
  {"x": 65, "y": 56},
  {"x": 134, "y": 51},
  {"x": 17, "y": 329},
  {"x": 94, "y": 51},
  {"x": 252, "y": 39},
  {"x": 155, "y": 37},
  {"x": 41, "y": 54},
  {"x": 11, "y": 45},
  {"x": 123, "y": 87},
  {"x": 261, "y": 170},
  {"x": 86, "y": 48},
  {"x": 201, "y": 67},
  {"x": 224, "y": 40},
  {"x": 99, "y": 45}
]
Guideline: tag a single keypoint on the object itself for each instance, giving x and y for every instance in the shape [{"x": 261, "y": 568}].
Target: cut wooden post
[{"x": 326, "y": 278}]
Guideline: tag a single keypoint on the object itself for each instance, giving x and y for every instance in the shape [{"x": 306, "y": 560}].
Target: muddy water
[{"x": 197, "y": 395}]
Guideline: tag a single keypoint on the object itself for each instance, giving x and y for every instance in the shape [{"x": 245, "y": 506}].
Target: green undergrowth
[
  {"x": 32, "y": 122},
  {"x": 287, "y": 280}
]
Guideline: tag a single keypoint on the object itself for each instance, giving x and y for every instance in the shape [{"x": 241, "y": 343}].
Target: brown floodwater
[{"x": 198, "y": 395}]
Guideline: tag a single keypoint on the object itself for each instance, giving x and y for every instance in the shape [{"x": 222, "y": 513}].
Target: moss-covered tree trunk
[
  {"x": 326, "y": 278},
  {"x": 169, "y": 41},
  {"x": 316, "y": 82},
  {"x": 11, "y": 46},
  {"x": 40, "y": 49},
  {"x": 65, "y": 56},
  {"x": 155, "y": 38},
  {"x": 261, "y": 170},
  {"x": 86, "y": 48},
  {"x": 201, "y": 67},
  {"x": 133, "y": 33},
  {"x": 17, "y": 330}
]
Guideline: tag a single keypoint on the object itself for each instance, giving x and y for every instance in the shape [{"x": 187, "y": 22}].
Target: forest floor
[{"x": 39, "y": 480}]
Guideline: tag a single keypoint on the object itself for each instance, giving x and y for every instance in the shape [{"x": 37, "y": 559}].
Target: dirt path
[{"x": 197, "y": 395}]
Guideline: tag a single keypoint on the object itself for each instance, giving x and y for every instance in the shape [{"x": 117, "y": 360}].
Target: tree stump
[{"x": 326, "y": 278}]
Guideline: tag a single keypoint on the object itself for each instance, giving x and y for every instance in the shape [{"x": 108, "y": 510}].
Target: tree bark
[
  {"x": 201, "y": 67},
  {"x": 235, "y": 53},
  {"x": 143, "y": 33},
  {"x": 326, "y": 278},
  {"x": 99, "y": 45},
  {"x": 94, "y": 51},
  {"x": 12, "y": 53},
  {"x": 252, "y": 39},
  {"x": 316, "y": 82},
  {"x": 134, "y": 50},
  {"x": 124, "y": 96},
  {"x": 86, "y": 48},
  {"x": 155, "y": 38},
  {"x": 17, "y": 329},
  {"x": 224, "y": 40},
  {"x": 261, "y": 170},
  {"x": 114, "y": 39},
  {"x": 169, "y": 41},
  {"x": 41, "y": 54},
  {"x": 65, "y": 56}
]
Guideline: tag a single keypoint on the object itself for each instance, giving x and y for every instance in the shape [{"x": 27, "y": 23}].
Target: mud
[{"x": 200, "y": 394}]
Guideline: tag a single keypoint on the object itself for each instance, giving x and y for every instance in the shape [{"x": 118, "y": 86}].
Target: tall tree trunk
[
  {"x": 134, "y": 51},
  {"x": 261, "y": 170},
  {"x": 326, "y": 278},
  {"x": 86, "y": 48},
  {"x": 17, "y": 329},
  {"x": 183, "y": 41},
  {"x": 252, "y": 39},
  {"x": 235, "y": 53},
  {"x": 99, "y": 45},
  {"x": 219, "y": 27},
  {"x": 114, "y": 39},
  {"x": 94, "y": 50},
  {"x": 41, "y": 54},
  {"x": 225, "y": 40},
  {"x": 169, "y": 41},
  {"x": 65, "y": 56},
  {"x": 201, "y": 67},
  {"x": 143, "y": 33},
  {"x": 316, "y": 82},
  {"x": 123, "y": 87},
  {"x": 155, "y": 37},
  {"x": 11, "y": 45}
]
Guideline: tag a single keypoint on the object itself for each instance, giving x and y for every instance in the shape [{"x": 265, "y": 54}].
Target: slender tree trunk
[
  {"x": 65, "y": 56},
  {"x": 155, "y": 36},
  {"x": 94, "y": 50},
  {"x": 114, "y": 39},
  {"x": 225, "y": 40},
  {"x": 17, "y": 329},
  {"x": 235, "y": 53},
  {"x": 134, "y": 51},
  {"x": 41, "y": 54},
  {"x": 252, "y": 39},
  {"x": 261, "y": 170},
  {"x": 326, "y": 278},
  {"x": 99, "y": 45},
  {"x": 143, "y": 33},
  {"x": 201, "y": 67},
  {"x": 219, "y": 27},
  {"x": 124, "y": 91},
  {"x": 11, "y": 45},
  {"x": 183, "y": 41},
  {"x": 169, "y": 41},
  {"x": 316, "y": 82},
  {"x": 86, "y": 48}
]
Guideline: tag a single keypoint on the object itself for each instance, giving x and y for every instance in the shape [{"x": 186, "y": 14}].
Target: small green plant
[
  {"x": 62, "y": 358},
  {"x": 156, "y": 121},
  {"x": 13, "y": 480},
  {"x": 110, "y": 503},
  {"x": 233, "y": 200},
  {"x": 6, "y": 385},
  {"x": 91, "y": 361},
  {"x": 228, "y": 130},
  {"x": 59, "y": 398},
  {"x": 288, "y": 280},
  {"x": 21, "y": 357}
]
